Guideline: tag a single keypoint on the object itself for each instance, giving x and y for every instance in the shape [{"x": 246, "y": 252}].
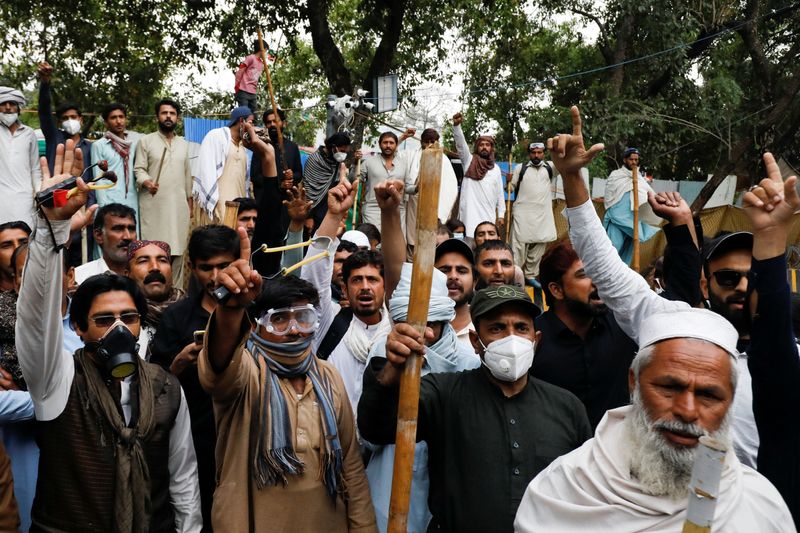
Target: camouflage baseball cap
[{"x": 489, "y": 298}]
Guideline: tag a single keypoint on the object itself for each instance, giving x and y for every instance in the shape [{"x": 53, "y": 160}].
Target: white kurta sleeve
[
  {"x": 319, "y": 274},
  {"x": 184, "y": 488},
  {"x": 624, "y": 291},
  {"x": 39, "y": 330},
  {"x": 501, "y": 200},
  {"x": 461, "y": 145}
]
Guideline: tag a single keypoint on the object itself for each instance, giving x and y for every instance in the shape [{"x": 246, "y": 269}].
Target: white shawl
[
  {"x": 620, "y": 182},
  {"x": 211, "y": 161},
  {"x": 591, "y": 489},
  {"x": 357, "y": 340}
]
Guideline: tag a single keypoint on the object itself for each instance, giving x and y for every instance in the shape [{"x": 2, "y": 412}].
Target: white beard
[{"x": 662, "y": 468}]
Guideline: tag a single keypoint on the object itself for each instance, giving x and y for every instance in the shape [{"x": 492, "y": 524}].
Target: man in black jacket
[{"x": 273, "y": 220}]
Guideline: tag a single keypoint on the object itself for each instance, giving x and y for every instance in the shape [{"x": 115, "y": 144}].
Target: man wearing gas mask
[
  {"x": 270, "y": 192},
  {"x": 489, "y": 430},
  {"x": 302, "y": 458},
  {"x": 115, "y": 441}
]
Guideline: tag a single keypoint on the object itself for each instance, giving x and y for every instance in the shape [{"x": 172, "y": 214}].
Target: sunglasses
[
  {"x": 728, "y": 278},
  {"x": 105, "y": 321}
]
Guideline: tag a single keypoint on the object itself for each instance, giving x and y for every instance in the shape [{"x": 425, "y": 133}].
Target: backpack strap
[{"x": 339, "y": 326}]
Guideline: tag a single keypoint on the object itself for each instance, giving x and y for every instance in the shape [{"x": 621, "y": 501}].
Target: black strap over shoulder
[
  {"x": 522, "y": 174},
  {"x": 339, "y": 326}
]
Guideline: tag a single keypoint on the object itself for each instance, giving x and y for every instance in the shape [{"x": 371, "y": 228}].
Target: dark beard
[
  {"x": 273, "y": 135},
  {"x": 165, "y": 128},
  {"x": 736, "y": 317},
  {"x": 584, "y": 309}
]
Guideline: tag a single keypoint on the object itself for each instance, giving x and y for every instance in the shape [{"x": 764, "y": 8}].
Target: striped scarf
[
  {"x": 123, "y": 149},
  {"x": 318, "y": 174},
  {"x": 275, "y": 457}
]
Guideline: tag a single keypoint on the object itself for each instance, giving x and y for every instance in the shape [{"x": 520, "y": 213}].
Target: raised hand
[
  {"x": 342, "y": 196},
  {"x": 671, "y": 207},
  {"x": 771, "y": 203},
  {"x": 297, "y": 205},
  {"x": 568, "y": 152},
  {"x": 68, "y": 163},
  {"x": 458, "y": 118},
  {"x": 243, "y": 282},
  {"x": 45, "y": 72},
  {"x": 389, "y": 194}
]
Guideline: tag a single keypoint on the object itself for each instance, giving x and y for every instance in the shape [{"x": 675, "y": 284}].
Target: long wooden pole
[
  {"x": 430, "y": 175},
  {"x": 359, "y": 192},
  {"x": 635, "y": 176},
  {"x": 272, "y": 100},
  {"x": 161, "y": 164},
  {"x": 508, "y": 193}
]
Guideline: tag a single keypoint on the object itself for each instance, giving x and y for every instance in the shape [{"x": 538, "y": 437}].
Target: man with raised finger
[
  {"x": 769, "y": 209},
  {"x": 301, "y": 468},
  {"x": 115, "y": 444}
]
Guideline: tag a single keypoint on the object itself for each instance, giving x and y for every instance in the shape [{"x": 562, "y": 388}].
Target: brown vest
[{"x": 75, "y": 489}]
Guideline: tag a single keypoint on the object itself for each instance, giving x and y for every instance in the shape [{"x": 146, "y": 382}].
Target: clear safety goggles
[{"x": 303, "y": 318}]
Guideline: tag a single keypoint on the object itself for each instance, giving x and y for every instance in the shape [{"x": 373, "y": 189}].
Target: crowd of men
[{"x": 135, "y": 397}]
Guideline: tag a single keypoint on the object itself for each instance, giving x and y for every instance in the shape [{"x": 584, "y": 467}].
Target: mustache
[
  {"x": 124, "y": 243},
  {"x": 155, "y": 276},
  {"x": 455, "y": 285},
  {"x": 676, "y": 426}
]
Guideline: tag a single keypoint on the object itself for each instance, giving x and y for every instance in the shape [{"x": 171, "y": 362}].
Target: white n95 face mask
[
  {"x": 508, "y": 358},
  {"x": 339, "y": 157},
  {"x": 71, "y": 126},
  {"x": 7, "y": 119}
]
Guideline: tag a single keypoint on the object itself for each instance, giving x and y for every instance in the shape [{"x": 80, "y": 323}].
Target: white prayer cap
[
  {"x": 356, "y": 237},
  {"x": 689, "y": 323},
  {"x": 9, "y": 94}
]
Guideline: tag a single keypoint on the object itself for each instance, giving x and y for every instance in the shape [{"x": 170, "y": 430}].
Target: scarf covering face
[
  {"x": 318, "y": 175},
  {"x": 123, "y": 149},
  {"x": 156, "y": 309},
  {"x": 132, "y": 506},
  {"x": 441, "y": 308},
  {"x": 478, "y": 166},
  {"x": 275, "y": 457},
  {"x": 357, "y": 340}
]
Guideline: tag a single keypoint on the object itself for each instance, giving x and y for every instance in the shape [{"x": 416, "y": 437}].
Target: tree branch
[
  {"x": 331, "y": 58},
  {"x": 749, "y": 34},
  {"x": 602, "y": 41}
]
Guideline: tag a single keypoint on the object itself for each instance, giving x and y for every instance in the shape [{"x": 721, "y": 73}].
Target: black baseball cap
[
  {"x": 455, "y": 245},
  {"x": 724, "y": 243},
  {"x": 489, "y": 298}
]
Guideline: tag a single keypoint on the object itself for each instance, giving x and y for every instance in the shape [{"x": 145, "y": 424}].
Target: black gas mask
[{"x": 118, "y": 350}]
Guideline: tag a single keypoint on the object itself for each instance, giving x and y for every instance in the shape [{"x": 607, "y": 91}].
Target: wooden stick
[
  {"x": 704, "y": 485},
  {"x": 508, "y": 197},
  {"x": 84, "y": 242},
  {"x": 231, "y": 217},
  {"x": 161, "y": 164},
  {"x": 380, "y": 121},
  {"x": 272, "y": 99},
  {"x": 358, "y": 193},
  {"x": 635, "y": 176},
  {"x": 430, "y": 175}
]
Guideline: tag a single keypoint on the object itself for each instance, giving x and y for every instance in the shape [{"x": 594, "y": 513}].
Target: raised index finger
[
  {"x": 244, "y": 244},
  {"x": 576, "y": 120},
  {"x": 773, "y": 171}
]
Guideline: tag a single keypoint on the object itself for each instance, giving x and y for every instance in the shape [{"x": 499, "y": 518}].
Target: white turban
[
  {"x": 689, "y": 324},
  {"x": 441, "y": 308},
  {"x": 7, "y": 94}
]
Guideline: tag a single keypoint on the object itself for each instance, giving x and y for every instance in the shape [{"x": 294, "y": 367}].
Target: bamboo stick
[
  {"x": 430, "y": 173},
  {"x": 231, "y": 216},
  {"x": 161, "y": 165},
  {"x": 635, "y": 192},
  {"x": 272, "y": 100},
  {"x": 508, "y": 197}
]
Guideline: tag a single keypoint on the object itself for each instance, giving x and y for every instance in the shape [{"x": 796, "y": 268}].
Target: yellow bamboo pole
[
  {"x": 635, "y": 192},
  {"x": 231, "y": 216},
  {"x": 430, "y": 174},
  {"x": 272, "y": 100}
]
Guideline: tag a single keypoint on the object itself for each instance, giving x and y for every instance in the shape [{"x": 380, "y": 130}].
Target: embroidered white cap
[{"x": 689, "y": 323}]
